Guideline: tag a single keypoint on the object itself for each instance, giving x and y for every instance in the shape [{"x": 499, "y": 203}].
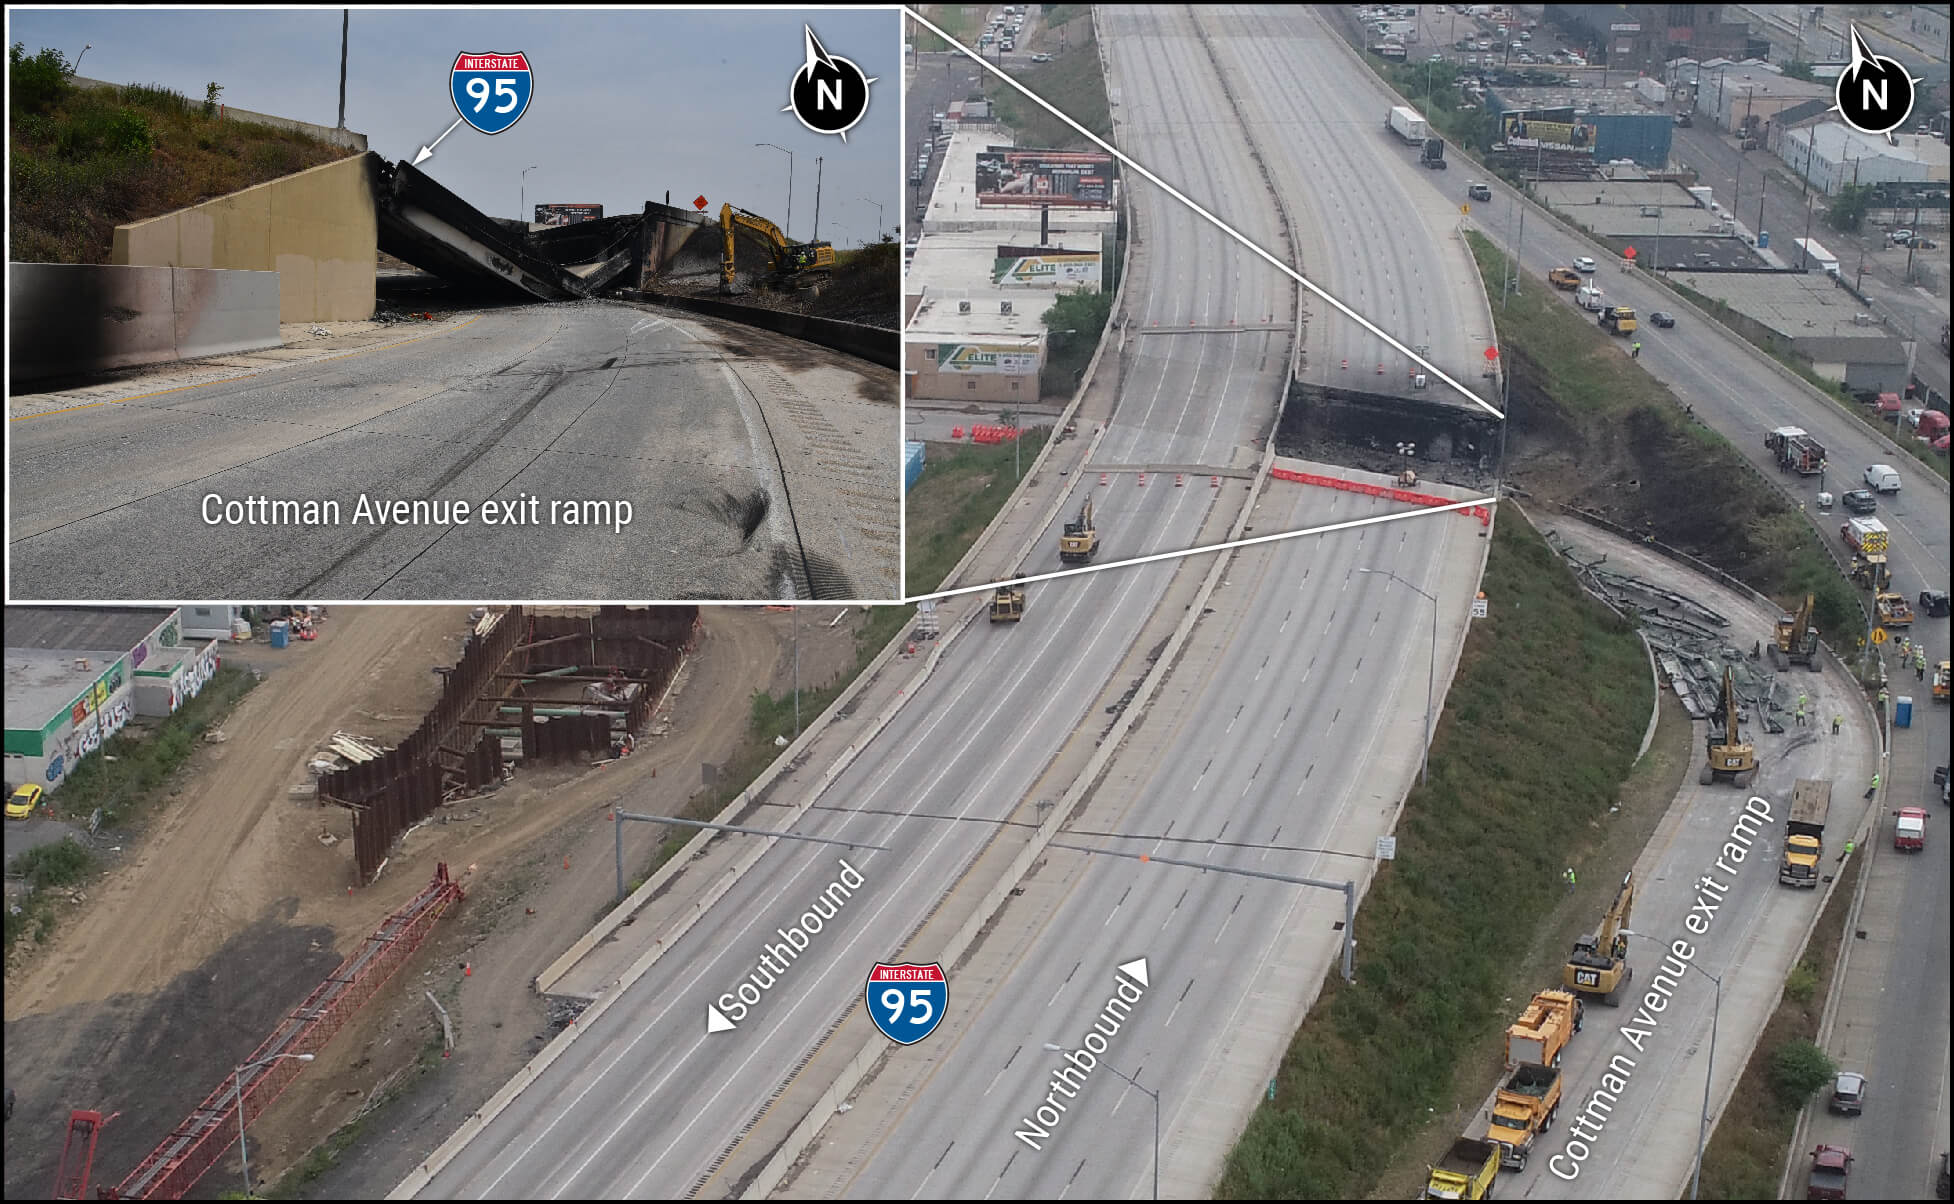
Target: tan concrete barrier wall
[
  {"x": 70, "y": 319},
  {"x": 317, "y": 229}
]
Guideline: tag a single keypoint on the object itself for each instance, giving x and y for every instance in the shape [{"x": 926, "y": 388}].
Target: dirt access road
[{"x": 232, "y": 909}]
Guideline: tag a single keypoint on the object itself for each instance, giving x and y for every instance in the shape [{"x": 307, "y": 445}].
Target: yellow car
[{"x": 21, "y": 803}]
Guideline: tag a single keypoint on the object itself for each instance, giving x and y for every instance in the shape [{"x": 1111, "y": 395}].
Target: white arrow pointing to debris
[
  {"x": 427, "y": 152},
  {"x": 716, "y": 1021}
]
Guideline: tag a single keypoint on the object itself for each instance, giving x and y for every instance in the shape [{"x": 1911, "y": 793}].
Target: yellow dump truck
[
  {"x": 1466, "y": 1172},
  {"x": 1893, "y": 610},
  {"x": 1804, "y": 832},
  {"x": 1544, "y": 1029},
  {"x": 1522, "y": 1111}
]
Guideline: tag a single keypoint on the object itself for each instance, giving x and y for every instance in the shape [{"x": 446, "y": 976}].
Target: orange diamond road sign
[
  {"x": 1628, "y": 253},
  {"x": 698, "y": 202}
]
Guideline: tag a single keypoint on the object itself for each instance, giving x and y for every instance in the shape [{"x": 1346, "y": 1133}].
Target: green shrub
[
  {"x": 62, "y": 863},
  {"x": 36, "y": 84},
  {"x": 1798, "y": 1069},
  {"x": 1801, "y": 984}
]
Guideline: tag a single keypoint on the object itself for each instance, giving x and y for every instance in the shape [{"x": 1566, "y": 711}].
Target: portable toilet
[
  {"x": 280, "y": 633},
  {"x": 1903, "y": 711}
]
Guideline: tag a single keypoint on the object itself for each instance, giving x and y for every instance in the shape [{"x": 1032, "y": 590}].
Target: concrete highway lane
[
  {"x": 1303, "y": 720},
  {"x": 1373, "y": 233},
  {"x": 1293, "y": 741},
  {"x": 752, "y": 467},
  {"x": 658, "y": 1109}
]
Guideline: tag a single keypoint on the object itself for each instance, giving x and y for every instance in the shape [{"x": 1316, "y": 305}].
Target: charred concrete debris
[{"x": 1692, "y": 642}]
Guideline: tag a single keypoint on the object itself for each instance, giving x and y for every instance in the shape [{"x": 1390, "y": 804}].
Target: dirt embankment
[{"x": 230, "y": 909}]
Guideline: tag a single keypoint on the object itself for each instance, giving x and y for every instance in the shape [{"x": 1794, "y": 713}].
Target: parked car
[
  {"x": 21, "y": 803},
  {"x": 1849, "y": 1093},
  {"x": 1041, "y": 57},
  {"x": 1479, "y": 192},
  {"x": 1859, "y": 501},
  {"x": 1924, "y": 244},
  {"x": 1901, "y": 237},
  {"x": 1934, "y": 603},
  {"x": 1662, "y": 318},
  {"x": 1583, "y": 263}
]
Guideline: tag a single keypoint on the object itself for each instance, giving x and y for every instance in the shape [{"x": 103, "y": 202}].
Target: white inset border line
[
  {"x": 1224, "y": 227},
  {"x": 1230, "y": 545}
]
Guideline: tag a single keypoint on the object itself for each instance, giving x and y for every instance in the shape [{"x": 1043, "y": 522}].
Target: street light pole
[
  {"x": 786, "y": 227},
  {"x": 244, "y": 1155},
  {"x": 522, "y": 195},
  {"x": 878, "y": 216},
  {"x": 1150, "y": 1094},
  {"x": 1431, "y": 670},
  {"x": 1709, "y": 1070}
]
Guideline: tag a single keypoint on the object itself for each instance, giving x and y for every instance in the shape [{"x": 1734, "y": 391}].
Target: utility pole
[
  {"x": 345, "y": 22},
  {"x": 817, "y": 198}
]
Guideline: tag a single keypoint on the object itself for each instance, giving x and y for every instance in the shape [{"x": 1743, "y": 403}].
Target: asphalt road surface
[
  {"x": 1295, "y": 738},
  {"x": 754, "y": 466},
  {"x": 653, "y": 1111}
]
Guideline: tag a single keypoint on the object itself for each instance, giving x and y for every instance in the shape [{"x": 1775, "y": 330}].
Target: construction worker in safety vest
[
  {"x": 1635, "y": 350},
  {"x": 1882, "y": 700},
  {"x": 1919, "y": 665},
  {"x": 1837, "y": 720}
]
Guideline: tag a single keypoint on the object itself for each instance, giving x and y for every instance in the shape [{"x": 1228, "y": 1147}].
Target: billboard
[
  {"x": 987, "y": 359},
  {"x": 566, "y": 214},
  {"x": 1043, "y": 267},
  {"x": 1075, "y": 179},
  {"x": 1522, "y": 131}
]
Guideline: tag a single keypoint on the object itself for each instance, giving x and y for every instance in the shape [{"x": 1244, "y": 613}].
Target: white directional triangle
[
  {"x": 716, "y": 1021},
  {"x": 1137, "y": 971}
]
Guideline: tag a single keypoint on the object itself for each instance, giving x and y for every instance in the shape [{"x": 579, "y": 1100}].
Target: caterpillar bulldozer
[
  {"x": 1080, "y": 540},
  {"x": 1797, "y": 639},
  {"x": 790, "y": 264},
  {"x": 1731, "y": 758},
  {"x": 1007, "y": 604},
  {"x": 1598, "y": 966}
]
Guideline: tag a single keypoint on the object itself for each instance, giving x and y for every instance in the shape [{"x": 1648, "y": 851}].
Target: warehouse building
[{"x": 76, "y": 675}]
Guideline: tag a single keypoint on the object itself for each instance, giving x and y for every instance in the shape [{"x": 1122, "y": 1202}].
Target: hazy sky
[{"x": 627, "y": 103}]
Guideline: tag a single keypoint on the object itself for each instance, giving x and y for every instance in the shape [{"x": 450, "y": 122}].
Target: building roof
[
  {"x": 1796, "y": 305},
  {"x": 1826, "y": 349},
  {"x": 1839, "y": 143},
  {"x": 114, "y": 629},
  {"x": 952, "y": 203},
  {"x": 1762, "y": 78},
  {"x": 42, "y": 683}
]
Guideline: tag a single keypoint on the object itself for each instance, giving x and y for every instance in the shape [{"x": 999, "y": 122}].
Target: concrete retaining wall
[
  {"x": 316, "y": 229},
  {"x": 68, "y": 319},
  {"x": 872, "y": 343}
]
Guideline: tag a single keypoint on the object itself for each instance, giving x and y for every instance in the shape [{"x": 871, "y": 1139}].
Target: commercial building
[
  {"x": 1749, "y": 94},
  {"x": 1005, "y": 232},
  {"x": 77, "y": 675},
  {"x": 1832, "y": 155},
  {"x": 1604, "y": 123}
]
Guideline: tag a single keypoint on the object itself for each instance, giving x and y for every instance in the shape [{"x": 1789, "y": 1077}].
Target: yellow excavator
[
  {"x": 1080, "y": 540},
  {"x": 1731, "y": 758},
  {"x": 1599, "y": 964},
  {"x": 1797, "y": 639},
  {"x": 796, "y": 263}
]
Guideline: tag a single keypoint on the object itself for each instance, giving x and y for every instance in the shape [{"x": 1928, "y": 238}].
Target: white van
[
  {"x": 1588, "y": 297},
  {"x": 1883, "y": 478}
]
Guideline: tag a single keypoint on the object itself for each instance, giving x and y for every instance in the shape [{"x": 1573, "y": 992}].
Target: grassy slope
[
  {"x": 962, "y": 488},
  {"x": 1527, "y": 757},
  {"x": 97, "y": 158}
]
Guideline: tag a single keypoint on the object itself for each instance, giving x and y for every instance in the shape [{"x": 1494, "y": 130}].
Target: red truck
[
  {"x": 1910, "y": 829},
  {"x": 1830, "y": 1165}
]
